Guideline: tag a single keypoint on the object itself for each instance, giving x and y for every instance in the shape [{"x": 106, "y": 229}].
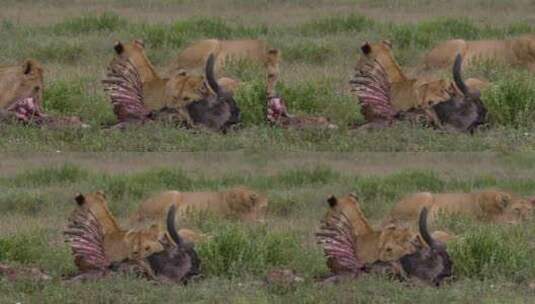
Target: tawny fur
[
  {"x": 238, "y": 202},
  {"x": 517, "y": 51},
  {"x": 487, "y": 205}
]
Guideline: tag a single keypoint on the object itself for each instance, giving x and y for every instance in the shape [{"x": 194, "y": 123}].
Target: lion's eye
[
  {"x": 147, "y": 248},
  {"x": 186, "y": 98}
]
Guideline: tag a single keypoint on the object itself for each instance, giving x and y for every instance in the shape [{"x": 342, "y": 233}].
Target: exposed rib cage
[
  {"x": 27, "y": 109},
  {"x": 371, "y": 85},
  {"x": 84, "y": 233},
  {"x": 339, "y": 246},
  {"x": 125, "y": 89}
]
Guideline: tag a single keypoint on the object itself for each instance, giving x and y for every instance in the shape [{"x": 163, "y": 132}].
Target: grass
[
  {"x": 296, "y": 169},
  {"x": 319, "y": 53},
  {"x": 491, "y": 262}
]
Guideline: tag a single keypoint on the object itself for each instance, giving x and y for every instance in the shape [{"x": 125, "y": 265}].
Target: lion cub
[
  {"x": 487, "y": 205},
  {"x": 239, "y": 202},
  {"x": 120, "y": 244}
]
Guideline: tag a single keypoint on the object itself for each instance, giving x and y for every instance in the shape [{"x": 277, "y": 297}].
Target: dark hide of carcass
[
  {"x": 178, "y": 262},
  {"x": 431, "y": 265},
  {"x": 216, "y": 112},
  {"x": 462, "y": 112}
]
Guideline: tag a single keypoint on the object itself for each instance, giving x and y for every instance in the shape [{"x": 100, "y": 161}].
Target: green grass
[
  {"x": 77, "y": 47},
  {"x": 491, "y": 262},
  {"x": 320, "y": 43}
]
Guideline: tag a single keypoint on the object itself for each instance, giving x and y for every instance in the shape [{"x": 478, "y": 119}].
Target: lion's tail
[
  {"x": 125, "y": 89},
  {"x": 84, "y": 233},
  {"x": 339, "y": 246},
  {"x": 372, "y": 87}
]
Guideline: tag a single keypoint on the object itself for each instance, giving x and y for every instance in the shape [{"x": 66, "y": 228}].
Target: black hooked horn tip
[
  {"x": 424, "y": 232},
  {"x": 171, "y": 226}
]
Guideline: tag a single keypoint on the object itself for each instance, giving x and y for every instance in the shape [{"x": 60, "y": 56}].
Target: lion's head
[
  {"x": 516, "y": 210},
  {"x": 135, "y": 52},
  {"x": 25, "y": 80},
  {"x": 143, "y": 243},
  {"x": 382, "y": 53},
  {"x": 184, "y": 88},
  {"x": 246, "y": 203},
  {"x": 98, "y": 204},
  {"x": 396, "y": 241}
]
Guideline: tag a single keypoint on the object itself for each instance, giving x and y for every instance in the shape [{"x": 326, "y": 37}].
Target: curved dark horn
[
  {"x": 459, "y": 82},
  {"x": 171, "y": 227},
  {"x": 209, "y": 71},
  {"x": 422, "y": 223}
]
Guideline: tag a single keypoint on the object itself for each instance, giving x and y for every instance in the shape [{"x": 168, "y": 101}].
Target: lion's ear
[
  {"x": 118, "y": 47},
  {"x": 80, "y": 199},
  {"x": 27, "y": 67},
  {"x": 503, "y": 200},
  {"x": 253, "y": 197},
  {"x": 354, "y": 195},
  {"x": 139, "y": 42},
  {"x": 273, "y": 52},
  {"x": 101, "y": 193},
  {"x": 366, "y": 48},
  {"x": 388, "y": 43},
  {"x": 332, "y": 200}
]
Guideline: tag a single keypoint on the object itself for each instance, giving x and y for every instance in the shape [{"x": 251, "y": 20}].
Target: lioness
[
  {"x": 178, "y": 89},
  {"x": 24, "y": 80},
  {"x": 386, "y": 94},
  {"x": 217, "y": 112},
  {"x": 120, "y": 244},
  {"x": 388, "y": 244},
  {"x": 194, "y": 56},
  {"x": 487, "y": 205},
  {"x": 429, "y": 263},
  {"x": 176, "y": 262},
  {"x": 238, "y": 202},
  {"x": 518, "y": 51}
]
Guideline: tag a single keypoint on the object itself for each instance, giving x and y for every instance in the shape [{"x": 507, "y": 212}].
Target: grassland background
[
  {"x": 319, "y": 40},
  {"x": 493, "y": 264}
]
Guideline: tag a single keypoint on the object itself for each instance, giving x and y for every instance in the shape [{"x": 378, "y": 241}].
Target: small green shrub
[
  {"x": 236, "y": 250},
  {"x": 22, "y": 248},
  {"x": 511, "y": 100},
  {"x": 490, "y": 252},
  {"x": 72, "y": 98},
  {"x": 251, "y": 98}
]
